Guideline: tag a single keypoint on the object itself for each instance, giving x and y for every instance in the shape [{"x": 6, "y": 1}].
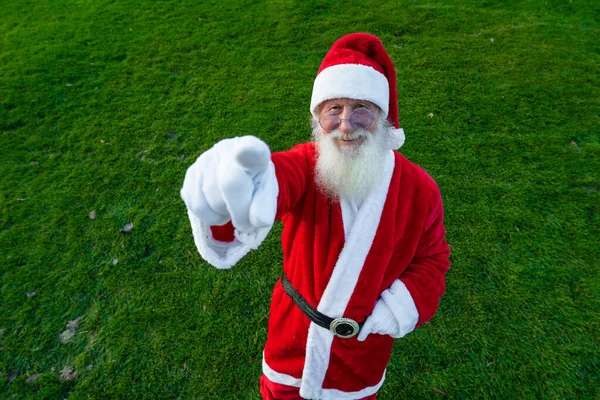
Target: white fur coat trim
[
  {"x": 278, "y": 377},
  {"x": 341, "y": 285},
  {"x": 326, "y": 394}
]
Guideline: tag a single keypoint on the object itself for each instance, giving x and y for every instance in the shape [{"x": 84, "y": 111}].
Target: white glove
[
  {"x": 381, "y": 321},
  {"x": 394, "y": 314},
  {"x": 226, "y": 183}
]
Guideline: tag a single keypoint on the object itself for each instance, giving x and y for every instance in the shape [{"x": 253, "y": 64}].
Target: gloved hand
[
  {"x": 394, "y": 314},
  {"x": 381, "y": 321},
  {"x": 226, "y": 183}
]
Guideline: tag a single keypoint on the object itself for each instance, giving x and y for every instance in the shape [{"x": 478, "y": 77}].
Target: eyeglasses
[{"x": 361, "y": 118}]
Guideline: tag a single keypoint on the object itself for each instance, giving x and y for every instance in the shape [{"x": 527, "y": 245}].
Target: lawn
[{"x": 105, "y": 104}]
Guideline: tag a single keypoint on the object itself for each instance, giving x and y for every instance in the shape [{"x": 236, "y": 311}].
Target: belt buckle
[{"x": 344, "y": 327}]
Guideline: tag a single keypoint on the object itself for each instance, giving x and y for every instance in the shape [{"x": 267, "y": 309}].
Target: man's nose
[{"x": 345, "y": 125}]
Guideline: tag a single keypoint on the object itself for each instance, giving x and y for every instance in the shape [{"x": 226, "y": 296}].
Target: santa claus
[{"x": 364, "y": 254}]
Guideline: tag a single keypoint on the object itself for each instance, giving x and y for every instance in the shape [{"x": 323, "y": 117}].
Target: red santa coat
[{"x": 398, "y": 233}]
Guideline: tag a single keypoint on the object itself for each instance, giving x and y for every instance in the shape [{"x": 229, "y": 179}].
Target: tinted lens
[
  {"x": 330, "y": 122},
  {"x": 361, "y": 118}
]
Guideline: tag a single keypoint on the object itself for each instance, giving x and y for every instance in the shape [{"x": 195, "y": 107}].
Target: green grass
[{"x": 104, "y": 105}]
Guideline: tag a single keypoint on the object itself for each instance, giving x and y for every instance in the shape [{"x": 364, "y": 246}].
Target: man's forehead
[{"x": 348, "y": 101}]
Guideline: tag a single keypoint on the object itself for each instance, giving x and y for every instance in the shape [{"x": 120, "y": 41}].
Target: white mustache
[{"x": 337, "y": 134}]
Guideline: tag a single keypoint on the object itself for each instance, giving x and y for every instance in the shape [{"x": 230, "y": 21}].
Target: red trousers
[{"x": 276, "y": 391}]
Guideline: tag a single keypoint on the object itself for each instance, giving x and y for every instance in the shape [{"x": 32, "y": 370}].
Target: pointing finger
[
  {"x": 236, "y": 187},
  {"x": 252, "y": 154}
]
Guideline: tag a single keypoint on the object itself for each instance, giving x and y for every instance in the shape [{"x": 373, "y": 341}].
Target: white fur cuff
[{"x": 402, "y": 305}]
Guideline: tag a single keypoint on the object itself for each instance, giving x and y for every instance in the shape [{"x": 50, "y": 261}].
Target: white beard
[{"x": 349, "y": 172}]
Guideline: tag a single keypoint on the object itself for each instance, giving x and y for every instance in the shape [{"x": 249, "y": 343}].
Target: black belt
[{"x": 341, "y": 327}]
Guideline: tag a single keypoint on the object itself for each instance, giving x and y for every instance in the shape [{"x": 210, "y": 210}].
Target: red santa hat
[{"x": 358, "y": 67}]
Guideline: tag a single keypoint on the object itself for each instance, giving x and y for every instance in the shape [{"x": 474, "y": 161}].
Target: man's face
[
  {"x": 350, "y": 159},
  {"x": 346, "y": 136}
]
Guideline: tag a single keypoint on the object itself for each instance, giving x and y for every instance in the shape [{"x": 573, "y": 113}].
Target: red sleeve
[
  {"x": 224, "y": 233},
  {"x": 293, "y": 171},
  {"x": 424, "y": 276}
]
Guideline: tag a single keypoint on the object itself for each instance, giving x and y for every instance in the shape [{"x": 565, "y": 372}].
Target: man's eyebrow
[
  {"x": 364, "y": 103},
  {"x": 330, "y": 103}
]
